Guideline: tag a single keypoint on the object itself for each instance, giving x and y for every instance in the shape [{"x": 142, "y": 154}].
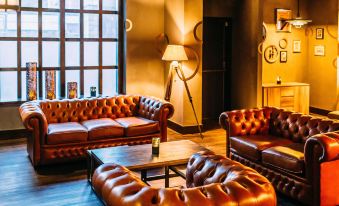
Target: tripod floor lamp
[{"x": 176, "y": 54}]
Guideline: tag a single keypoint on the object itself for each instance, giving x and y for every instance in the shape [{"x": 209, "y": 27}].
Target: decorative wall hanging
[
  {"x": 264, "y": 36},
  {"x": 281, "y": 17},
  {"x": 50, "y": 78},
  {"x": 296, "y": 46},
  {"x": 271, "y": 54},
  {"x": 31, "y": 81},
  {"x": 283, "y": 43},
  {"x": 196, "y": 37},
  {"x": 283, "y": 56},
  {"x": 319, "y": 33},
  {"x": 130, "y": 25},
  {"x": 72, "y": 89},
  {"x": 319, "y": 50}
]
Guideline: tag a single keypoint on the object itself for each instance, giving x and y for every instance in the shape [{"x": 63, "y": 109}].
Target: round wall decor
[
  {"x": 271, "y": 54},
  {"x": 283, "y": 43}
]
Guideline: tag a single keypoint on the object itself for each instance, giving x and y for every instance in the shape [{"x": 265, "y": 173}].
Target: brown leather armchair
[
  {"x": 298, "y": 153},
  {"x": 211, "y": 180},
  {"x": 62, "y": 130}
]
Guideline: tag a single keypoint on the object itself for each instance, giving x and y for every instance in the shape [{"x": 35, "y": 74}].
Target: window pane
[
  {"x": 109, "y": 26},
  {"x": 109, "y": 53},
  {"x": 57, "y": 83},
  {"x": 91, "y": 80},
  {"x": 109, "y": 82},
  {"x": 91, "y": 4},
  {"x": 72, "y": 76},
  {"x": 51, "y": 4},
  {"x": 91, "y": 25},
  {"x": 8, "y": 24},
  {"x": 111, "y": 5},
  {"x": 72, "y": 54},
  {"x": 72, "y": 25},
  {"x": 91, "y": 54},
  {"x": 72, "y": 4},
  {"x": 29, "y": 24},
  {"x": 30, "y": 3},
  {"x": 50, "y": 54},
  {"x": 8, "y": 86},
  {"x": 13, "y": 2},
  {"x": 29, "y": 52},
  {"x": 50, "y": 24},
  {"x": 8, "y": 54}
]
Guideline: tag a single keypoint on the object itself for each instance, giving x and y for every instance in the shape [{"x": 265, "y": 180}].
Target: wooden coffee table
[{"x": 140, "y": 158}]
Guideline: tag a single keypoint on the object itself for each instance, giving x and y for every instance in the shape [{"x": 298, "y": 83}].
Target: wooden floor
[{"x": 67, "y": 184}]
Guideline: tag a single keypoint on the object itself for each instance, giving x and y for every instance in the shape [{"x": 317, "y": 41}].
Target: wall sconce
[
  {"x": 9, "y": 5},
  {"x": 176, "y": 54}
]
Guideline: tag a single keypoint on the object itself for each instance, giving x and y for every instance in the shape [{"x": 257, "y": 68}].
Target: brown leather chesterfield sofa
[
  {"x": 210, "y": 179},
  {"x": 62, "y": 130},
  {"x": 298, "y": 153}
]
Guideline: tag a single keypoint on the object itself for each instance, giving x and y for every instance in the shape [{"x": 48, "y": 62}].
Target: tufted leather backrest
[
  {"x": 219, "y": 181},
  {"x": 77, "y": 110},
  {"x": 299, "y": 127},
  {"x": 249, "y": 122}
]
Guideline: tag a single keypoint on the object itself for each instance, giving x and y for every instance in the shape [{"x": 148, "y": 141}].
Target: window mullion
[
  {"x": 40, "y": 47},
  {"x": 82, "y": 48},
  {"x": 62, "y": 49},
  {"x": 19, "y": 50},
  {"x": 100, "y": 47}
]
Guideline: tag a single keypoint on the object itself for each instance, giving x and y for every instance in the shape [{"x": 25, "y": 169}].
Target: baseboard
[
  {"x": 14, "y": 134},
  {"x": 319, "y": 111},
  {"x": 182, "y": 129}
]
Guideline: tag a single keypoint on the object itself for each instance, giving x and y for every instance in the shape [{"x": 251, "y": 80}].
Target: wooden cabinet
[{"x": 291, "y": 96}]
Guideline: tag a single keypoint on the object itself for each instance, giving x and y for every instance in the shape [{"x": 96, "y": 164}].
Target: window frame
[{"x": 120, "y": 40}]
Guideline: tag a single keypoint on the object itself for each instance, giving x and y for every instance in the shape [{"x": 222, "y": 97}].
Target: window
[{"x": 82, "y": 40}]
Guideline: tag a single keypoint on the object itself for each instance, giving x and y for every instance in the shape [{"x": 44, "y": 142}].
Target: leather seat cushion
[
  {"x": 252, "y": 145},
  {"x": 289, "y": 158},
  {"x": 103, "y": 128},
  {"x": 68, "y": 132},
  {"x": 135, "y": 126}
]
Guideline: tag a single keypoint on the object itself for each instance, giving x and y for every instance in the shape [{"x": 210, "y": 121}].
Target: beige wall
[{"x": 144, "y": 67}]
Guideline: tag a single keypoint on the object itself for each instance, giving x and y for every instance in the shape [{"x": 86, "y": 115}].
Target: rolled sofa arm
[
  {"x": 234, "y": 185},
  {"x": 155, "y": 109},
  {"x": 28, "y": 112},
  {"x": 328, "y": 144}
]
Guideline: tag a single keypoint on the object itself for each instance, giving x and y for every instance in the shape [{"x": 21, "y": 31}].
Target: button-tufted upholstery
[
  {"x": 63, "y": 129},
  {"x": 210, "y": 180},
  {"x": 275, "y": 142}
]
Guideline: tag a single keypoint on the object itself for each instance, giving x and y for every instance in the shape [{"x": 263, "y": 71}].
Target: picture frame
[
  {"x": 319, "y": 50},
  {"x": 281, "y": 15},
  {"x": 319, "y": 33},
  {"x": 283, "y": 56},
  {"x": 296, "y": 46}
]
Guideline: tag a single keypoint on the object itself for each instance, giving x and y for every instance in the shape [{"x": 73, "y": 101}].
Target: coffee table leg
[
  {"x": 144, "y": 175},
  {"x": 166, "y": 176}
]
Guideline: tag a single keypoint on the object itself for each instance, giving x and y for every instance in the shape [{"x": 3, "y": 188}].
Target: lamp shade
[{"x": 175, "y": 53}]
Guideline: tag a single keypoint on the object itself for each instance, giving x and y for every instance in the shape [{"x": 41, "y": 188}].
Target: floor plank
[{"x": 66, "y": 184}]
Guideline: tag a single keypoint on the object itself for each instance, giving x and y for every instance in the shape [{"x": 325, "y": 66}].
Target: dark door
[{"x": 216, "y": 80}]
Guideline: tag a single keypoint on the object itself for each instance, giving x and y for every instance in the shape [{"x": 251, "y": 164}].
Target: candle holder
[
  {"x": 50, "y": 84},
  {"x": 31, "y": 81},
  {"x": 155, "y": 145},
  {"x": 278, "y": 80},
  {"x": 93, "y": 91},
  {"x": 72, "y": 88}
]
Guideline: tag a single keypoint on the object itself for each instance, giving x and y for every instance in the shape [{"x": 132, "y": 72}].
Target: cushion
[
  {"x": 103, "y": 128},
  {"x": 289, "y": 157},
  {"x": 252, "y": 145},
  {"x": 68, "y": 132},
  {"x": 135, "y": 126}
]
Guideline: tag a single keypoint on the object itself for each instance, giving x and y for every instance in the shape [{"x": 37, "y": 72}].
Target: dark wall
[
  {"x": 219, "y": 8},
  {"x": 323, "y": 12}
]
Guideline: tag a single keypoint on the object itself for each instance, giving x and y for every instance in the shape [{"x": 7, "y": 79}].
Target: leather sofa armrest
[
  {"x": 157, "y": 110},
  {"x": 28, "y": 112},
  {"x": 328, "y": 144}
]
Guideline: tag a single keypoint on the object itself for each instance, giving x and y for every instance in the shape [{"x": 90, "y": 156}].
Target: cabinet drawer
[
  {"x": 287, "y": 92},
  {"x": 287, "y": 101}
]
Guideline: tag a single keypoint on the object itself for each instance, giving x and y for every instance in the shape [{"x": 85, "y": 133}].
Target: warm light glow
[
  {"x": 298, "y": 22},
  {"x": 175, "y": 53}
]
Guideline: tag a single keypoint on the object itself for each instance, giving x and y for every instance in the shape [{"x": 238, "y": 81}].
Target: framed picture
[
  {"x": 319, "y": 33},
  {"x": 319, "y": 50},
  {"x": 283, "y": 56},
  {"x": 281, "y": 15},
  {"x": 296, "y": 46}
]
